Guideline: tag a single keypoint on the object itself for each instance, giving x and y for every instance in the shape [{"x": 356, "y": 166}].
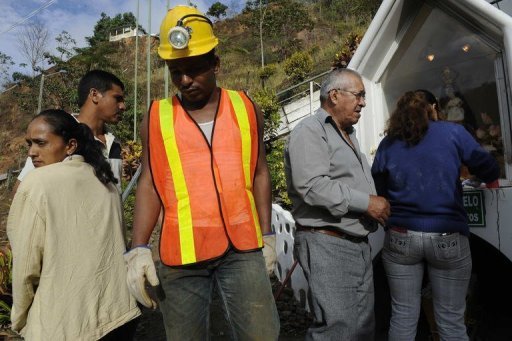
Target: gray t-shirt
[{"x": 207, "y": 128}]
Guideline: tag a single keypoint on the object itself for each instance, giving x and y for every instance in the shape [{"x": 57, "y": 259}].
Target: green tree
[
  {"x": 268, "y": 102},
  {"x": 298, "y": 66},
  {"x": 107, "y": 25},
  {"x": 65, "y": 45},
  {"x": 217, "y": 10},
  {"x": 350, "y": 45},
  {"x": 5, "y": 66},
  {"x": 97, "y": 56},
  {"x": 334, "y": 9},
  {"x": 275, "y": 160},
  {"x": 278, "y": 20}
]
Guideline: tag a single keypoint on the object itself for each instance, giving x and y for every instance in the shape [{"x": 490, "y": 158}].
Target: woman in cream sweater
[{"x": 65, "y": 229}]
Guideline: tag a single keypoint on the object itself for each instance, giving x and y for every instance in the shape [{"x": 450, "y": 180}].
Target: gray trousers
[{"x": 341, "y": 292}]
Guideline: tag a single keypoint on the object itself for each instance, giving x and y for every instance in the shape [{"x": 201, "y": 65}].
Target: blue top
[{"x": 422, "y": 182}]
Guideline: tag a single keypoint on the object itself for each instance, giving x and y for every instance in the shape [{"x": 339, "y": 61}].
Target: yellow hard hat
[{"x": 185, "y": 32}]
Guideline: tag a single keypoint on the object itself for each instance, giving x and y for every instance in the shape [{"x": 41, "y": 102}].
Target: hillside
[{"x": 239, "y": 50}]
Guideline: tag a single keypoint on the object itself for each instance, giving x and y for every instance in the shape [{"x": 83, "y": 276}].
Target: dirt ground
[{"x": 489, "y": 317}]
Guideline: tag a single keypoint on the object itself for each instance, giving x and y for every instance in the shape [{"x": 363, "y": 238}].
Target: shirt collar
[
  {"x": 326, "y": 118},
  {"x": 74, "y": 158}
]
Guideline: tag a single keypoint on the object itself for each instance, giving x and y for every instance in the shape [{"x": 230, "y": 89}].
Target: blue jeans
[
  {"x": 340, "y": 279},
  {"x": 448, "y": 261},
  {"x": 244, "y": 289}
]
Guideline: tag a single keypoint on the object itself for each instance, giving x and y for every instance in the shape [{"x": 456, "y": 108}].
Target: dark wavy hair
[
  {"x": 432, "y": 100},
  {"x": 409, "y": 121},
  {"x": 427, "y": 96},
  {"x": 67, "y": 127}
]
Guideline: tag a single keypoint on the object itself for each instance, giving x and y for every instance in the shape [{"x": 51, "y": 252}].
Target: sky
[{"x": 78, "y": 17}]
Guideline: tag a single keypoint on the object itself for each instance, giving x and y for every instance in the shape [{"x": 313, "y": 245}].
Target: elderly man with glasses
[{"x": 335, "y": 207}]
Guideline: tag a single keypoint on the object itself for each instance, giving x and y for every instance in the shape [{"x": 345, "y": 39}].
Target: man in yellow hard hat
[{"x": 204, "y": 162}]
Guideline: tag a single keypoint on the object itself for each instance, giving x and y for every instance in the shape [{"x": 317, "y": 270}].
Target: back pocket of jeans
[
  {"x": 446, "y": 247},
  {"x": 398, "y": 242}
]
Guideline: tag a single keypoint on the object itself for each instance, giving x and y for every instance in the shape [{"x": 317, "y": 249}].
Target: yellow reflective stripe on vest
[
  {"x": 245, "y": 132},
  {"x": 188, "y": 252}
]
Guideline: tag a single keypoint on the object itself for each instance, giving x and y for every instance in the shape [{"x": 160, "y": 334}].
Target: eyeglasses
[{"x": 358, "y": 95}]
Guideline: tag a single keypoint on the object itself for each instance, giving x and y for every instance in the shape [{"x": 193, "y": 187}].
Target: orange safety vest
[{"x": 206, "y": 191}]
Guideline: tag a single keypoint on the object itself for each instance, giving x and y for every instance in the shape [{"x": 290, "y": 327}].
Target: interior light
[
  {"x": 466, "y": 47},
  {"x": 430, "y": 57}
]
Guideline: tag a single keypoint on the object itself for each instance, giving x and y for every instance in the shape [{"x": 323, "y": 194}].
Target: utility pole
[
  {"x": 41, "y": 86},
  {"x": 135, "y": 74},
  {"x": 166, "y": 70},
  {"x": 148, "y": 59},
  {"x": 40, "y": 98},
  {"x": 262, "y": 17}
]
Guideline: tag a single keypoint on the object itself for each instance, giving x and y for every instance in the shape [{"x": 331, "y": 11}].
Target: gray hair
[{"x": 336, "y": 79}]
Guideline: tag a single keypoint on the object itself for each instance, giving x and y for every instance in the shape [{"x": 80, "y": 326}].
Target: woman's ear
[
  {"x": 71, "y": 147},
  {"x": 435, "y": 113}
]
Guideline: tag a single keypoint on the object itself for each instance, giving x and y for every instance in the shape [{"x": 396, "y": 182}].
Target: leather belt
[{"x": 332, "y": 232}]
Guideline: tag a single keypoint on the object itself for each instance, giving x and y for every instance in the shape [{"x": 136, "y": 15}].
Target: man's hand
[
  {"x": 269, "y": 252},
  {"x": 378, "y": 209},
  {"x": 140, "y": 266}
]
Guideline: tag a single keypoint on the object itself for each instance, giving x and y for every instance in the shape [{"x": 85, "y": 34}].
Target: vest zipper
[{"x": 211, "y": 158}]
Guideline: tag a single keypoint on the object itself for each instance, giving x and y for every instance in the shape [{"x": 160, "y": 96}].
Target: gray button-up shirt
[{"x": 329, "y": 181}]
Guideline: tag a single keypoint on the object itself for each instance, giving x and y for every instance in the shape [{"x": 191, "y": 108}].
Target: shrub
[
  {"x": 131, "y": 154},
  {"x": 5, "y": 286},
  {"x": 267, "y": 100},
  {"x": 267, "y": 71},
  {"x": 348, "y": 49},
  {"x": 275, "y": 161},
  {"x": 298, "y": 66}
]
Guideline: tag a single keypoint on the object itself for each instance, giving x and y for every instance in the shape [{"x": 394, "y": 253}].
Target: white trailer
[{"x": 461, "y": 50}]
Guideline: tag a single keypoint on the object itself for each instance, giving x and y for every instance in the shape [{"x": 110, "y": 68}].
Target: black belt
[{"x": 332, "y": 232}]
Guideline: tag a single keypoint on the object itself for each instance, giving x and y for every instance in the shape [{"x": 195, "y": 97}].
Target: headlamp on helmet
[{"x": 179, "y": 35}]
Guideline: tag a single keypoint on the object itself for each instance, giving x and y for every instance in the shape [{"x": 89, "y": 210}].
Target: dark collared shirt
[{"x": 329, "y": 181}]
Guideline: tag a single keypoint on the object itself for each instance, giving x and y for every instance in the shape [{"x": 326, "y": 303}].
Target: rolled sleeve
[
  {"x": 479, "y": 161},
  {"x": 359, "y": 201}
]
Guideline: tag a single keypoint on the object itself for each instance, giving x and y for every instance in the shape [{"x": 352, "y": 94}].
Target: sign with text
[{"x": 475, "y": 207}]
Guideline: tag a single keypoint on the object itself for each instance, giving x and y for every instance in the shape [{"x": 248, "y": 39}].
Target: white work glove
[
  {"x": 140, "y": 266},
  {"x": 269, "y": 252}
]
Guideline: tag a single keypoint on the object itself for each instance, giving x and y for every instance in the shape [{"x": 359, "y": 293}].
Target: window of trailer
[{"x": 463, "y": 67}]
